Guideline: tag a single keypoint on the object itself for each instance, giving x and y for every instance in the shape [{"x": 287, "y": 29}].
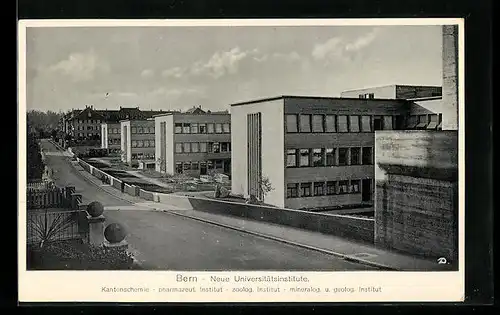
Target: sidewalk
[
  {"x": 149, "y": 179},
  {"x": 362, "y": 253}
]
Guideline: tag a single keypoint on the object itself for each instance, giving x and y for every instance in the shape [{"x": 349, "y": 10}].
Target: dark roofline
[
  {"x": 428, "y": 98},
  {"x": 394, "y": 85},
  {"x": 314, "y": 97},
  {"x": 193, "y": 114}
]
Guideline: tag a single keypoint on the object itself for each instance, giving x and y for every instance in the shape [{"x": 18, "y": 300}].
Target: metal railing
[
  {"x": 44, "y": 226},
  {"x": 53, "y": 197}
]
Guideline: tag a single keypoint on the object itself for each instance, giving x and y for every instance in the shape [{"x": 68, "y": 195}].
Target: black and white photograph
[{"x": 216, "y": 148}]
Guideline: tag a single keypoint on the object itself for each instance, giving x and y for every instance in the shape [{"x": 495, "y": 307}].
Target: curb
[{"x": 281, "y": 240}]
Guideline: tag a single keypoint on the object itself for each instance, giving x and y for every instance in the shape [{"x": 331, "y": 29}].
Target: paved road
[{"x": 168, "y": 242}]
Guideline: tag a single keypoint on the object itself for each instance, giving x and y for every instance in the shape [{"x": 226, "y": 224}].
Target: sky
[{"x": 177, "y": 67}]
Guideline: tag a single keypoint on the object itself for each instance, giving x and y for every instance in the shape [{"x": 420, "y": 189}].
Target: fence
[
  {"x": 48, "y": 226},
  {"x": 44, "y": 185},
  {"x": 52, "y": 198}
]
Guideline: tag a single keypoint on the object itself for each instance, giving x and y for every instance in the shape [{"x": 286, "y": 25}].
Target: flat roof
[
  {"x": 429, "y": 98},
  {"x": 317, "y": 97},
  {"x": 389, "y": 85},
  {"x": 192, "y": 114}
]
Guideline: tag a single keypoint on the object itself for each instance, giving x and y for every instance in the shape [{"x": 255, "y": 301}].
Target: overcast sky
[{"x": 178, "y": 67}]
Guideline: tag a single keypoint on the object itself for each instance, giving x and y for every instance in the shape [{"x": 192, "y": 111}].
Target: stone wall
[{"x": 416, "y": 208}]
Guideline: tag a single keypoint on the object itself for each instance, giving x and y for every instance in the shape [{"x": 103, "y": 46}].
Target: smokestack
[{"x": 450, "y": 77}]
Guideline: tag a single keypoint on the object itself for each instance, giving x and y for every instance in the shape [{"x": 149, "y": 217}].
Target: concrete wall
[
  {"x": 273, "y": 159},
  {"x": 345, "y": 226},
  {"x": 416, "y": 209},
  {"x": 450, "y": 77},
  {"x": 169, "y": 142}
]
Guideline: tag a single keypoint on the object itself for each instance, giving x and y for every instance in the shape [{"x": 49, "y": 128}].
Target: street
[{"x": 163, "y": 241}]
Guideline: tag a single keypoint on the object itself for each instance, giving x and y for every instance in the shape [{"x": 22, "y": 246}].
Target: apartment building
[
  {"x": 83, "y": 124},
  {"x": 195, "y": 142},
  {"x": 138, "y": 142},
  {"x": 395, "y": 91}
]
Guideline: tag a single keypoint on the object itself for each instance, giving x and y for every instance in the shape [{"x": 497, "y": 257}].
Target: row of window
[
  {"x": 89, "y": 121},
  {"x": 320, "y": 157},
  {"x": 143, "y": 143},
  {"x": 299, "y": 190},
  {"x": 201, "y": 128},
  {"x": 306, "y": 123},
  {"x": 195, "y": 166},
  {"x": 143, "y": 156},
  {"x": 428, "y": 121},
  {"x": 115, "y": 130},
  {"x": 88, "y": 128},
  {"x": 114, "y": 141},
  {"x": 142, "y": 130},
  {"x": 88, "y": 134},
  {"x": 202, "y": 147}
]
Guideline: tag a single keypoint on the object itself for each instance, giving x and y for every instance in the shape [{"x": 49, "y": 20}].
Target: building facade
[
  {"x": 111, "y": 137},
  {"x": 395, "y": 91},
  {"x": 193, "y": 143},
  {"x": 84, "y": 124},
  {"x": 316, "y": 152},
  {"x": 138, "y": 142}
]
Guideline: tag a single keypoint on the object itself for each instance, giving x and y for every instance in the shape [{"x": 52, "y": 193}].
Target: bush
[{"x": 79, "y": 256}]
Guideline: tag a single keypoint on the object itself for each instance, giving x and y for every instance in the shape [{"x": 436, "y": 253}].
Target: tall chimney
[{"x": 450, "y": 77}]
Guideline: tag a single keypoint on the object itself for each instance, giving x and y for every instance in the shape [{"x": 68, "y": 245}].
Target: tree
[{"x": 265, "y": 187}]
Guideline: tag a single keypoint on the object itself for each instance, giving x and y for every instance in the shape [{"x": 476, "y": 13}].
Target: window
[
  {"x": 304, "y": 157},
  {"x": 110, "y": 141},
  {"x": 134, "y": 130},
  {"x": 330, "y": 157},
  {"x": 388, "y": 123},
  {"x": 186, "y": 166},
  {"x": 365, "y": 124},
  {"x": 367, "y": 155},
  {"x": 317, "y": 157},
  {"x": 178, "y": 128},
  {"x": 330, "y": 123},
  {"x": 218, "y": 128},
  {"x": 139, "y": 130},
  {"x": 355, "y": 156},
  {"x": 226, "y": 128},
  {"x": 178, "y": 148},
  {"x": 186, "y": 128},
  {"x": 218, "y": 163},
  {"x": 305, "y": 189},
  {"x": 371, "y": 95},
  {"x": 210, "y": 165},
  {"x": 354, "y": 187},
  {"x": 422, "y": 122},
  {"x": 292, "y": 190},
  {"x": 134, "y": 144},
  {"x": 89, "y": 128},
  {"x": 377, "y": 123},
  {"x": 319, "y": 188},
  {"x": 140, "y": 143},
  {"x": 202, "y": 128},
  {"x": 354, "y": 123},
  {"x": 210, "y": 128},
  {"x": 151, "y": 143},
  {"x": 133, "y": 156},
  {"x": 215, "y": 147},
  {"x": 195, "y": 147},
  {"x": 146, "y": 143},
  {"x": 291, "y": 158},
  {"x": 305, "y": 123},
  {"x": 151, "y": 129},
  {"x": 342, "y": 121},
  {"x": 194, "y": 128},
  {"x": 343, "y": 187},
  {"x": 343, "y": 156},
  {"x": 330, "y": 188},
  {"x": 186, "y": 146},
  {"x": 317, "y": 123},
  {"x": 412, "y": 122},
  {"x": 178, "y": 167},
  {"x": 203, "y": 147},
  {"x": 225, "y": 147},
  {"x": 291, "y": 123},
  {"x": 195, "y": 166}
]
